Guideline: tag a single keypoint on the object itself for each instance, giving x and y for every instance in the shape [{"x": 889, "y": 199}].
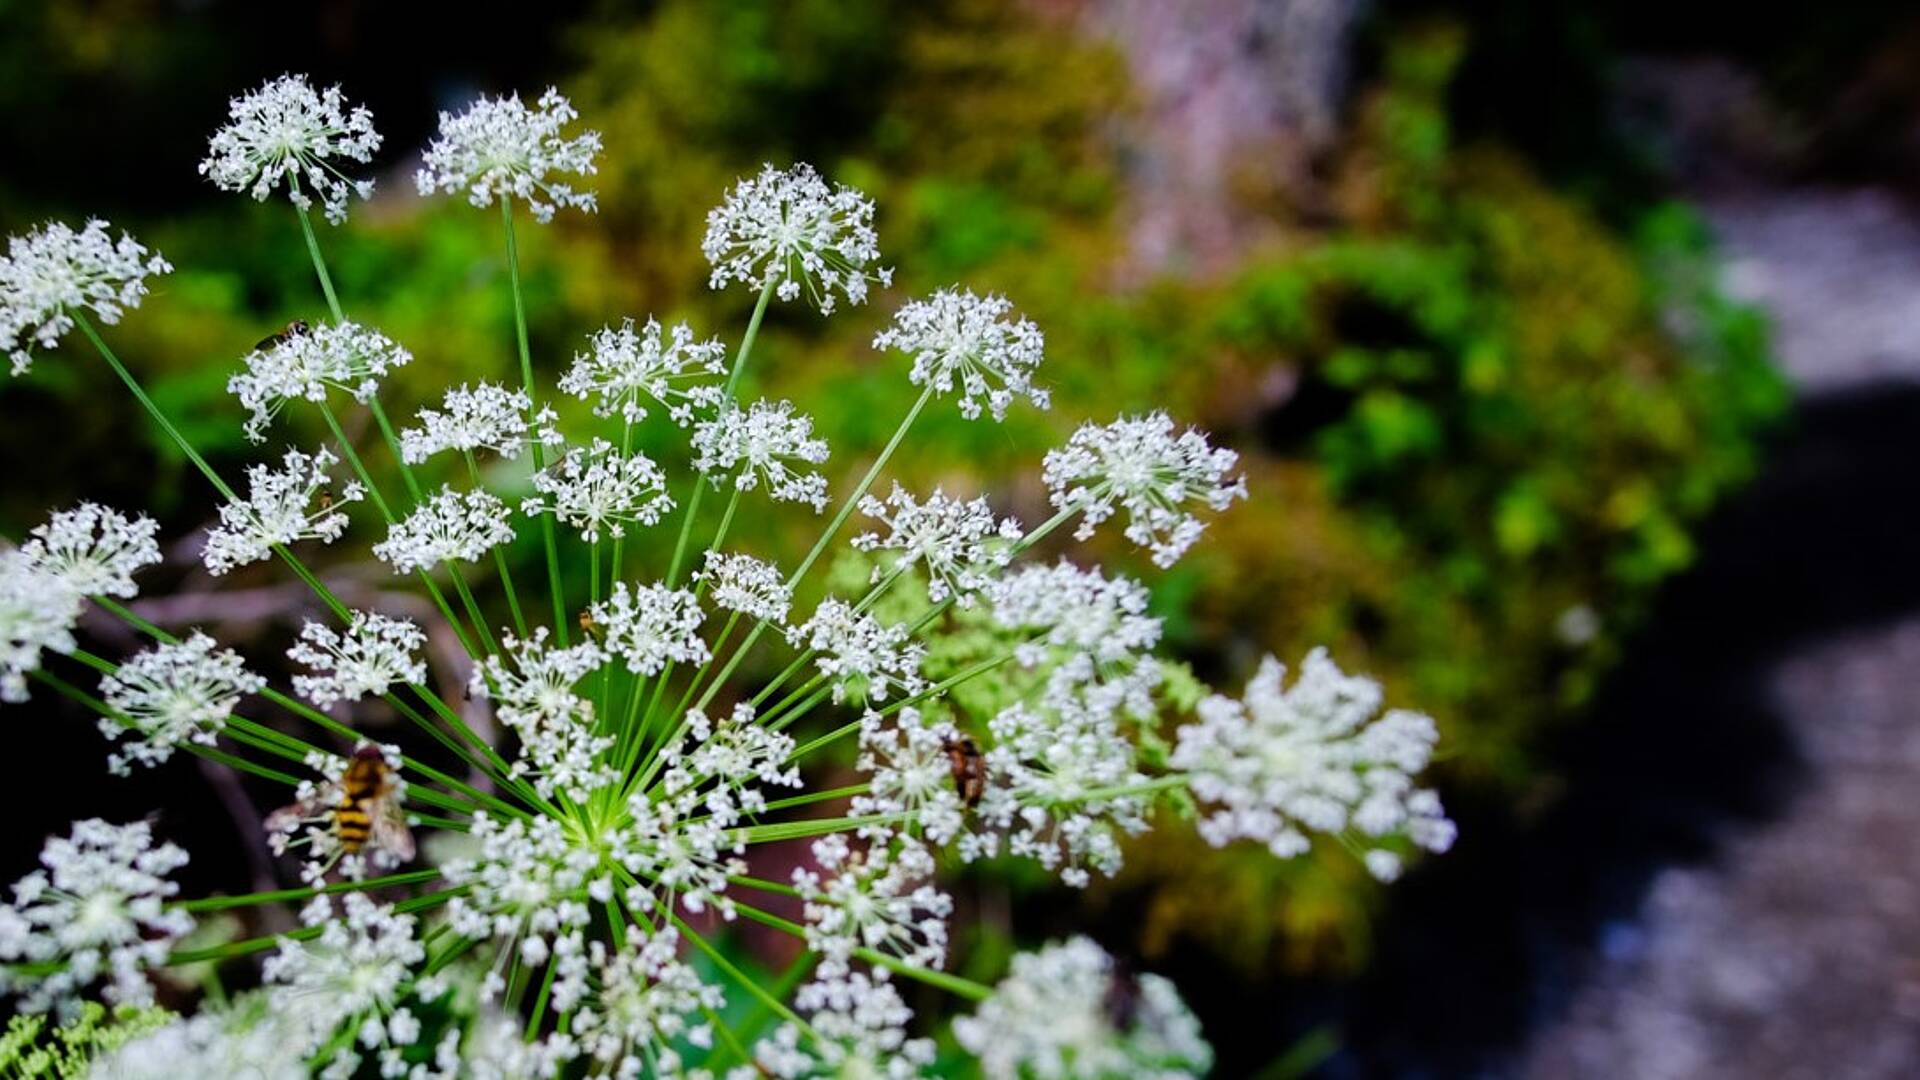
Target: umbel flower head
[
  {"x": 961, "y": 545},
  {"x": 755, "y": 445},
  {"x": 279, "y": 509},
  {"x": 959, "y": 340},
  {"x": 786, "y": 229},
  {"x": 451, "y": 526},
  {"x": 288, "y": 131},
  {"x": 1313, "y": 757},
  {"x": 501, "y": 148},
  {"x": 94, "y": 550},
  {"x": 303, "y": 366},
  {"x": 173, "y": 693},
  {"x": 598, "y": 488},
  {"x": 621, "y": 368},
  {"x": 483, "y": 417},
  {"x": 98, "y": 909},
  {"x": 1139, "y": 465},
  {"x": 37, "y": 613},
  {"x": 372, "y": 654},
  {"x": 52, "y": 273}
]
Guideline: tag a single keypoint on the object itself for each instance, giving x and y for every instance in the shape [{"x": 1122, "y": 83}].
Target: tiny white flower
[
  {"x": 652, "y": 626},
  {"x": 527, "y": 883},
  {"x": 647, "y": 1000},
  {"x": 288, "y": 131},
  {"x": 53, "y": 272},
  {"x": 1066, "y": 1011},
  {"x": 865, "y": 658},
  {"x": 878, "y": 898},
  {"x": 961, "y": 340},
  {"x": 277, "y": 511},
  {"x": 599, "y": 488},
  {"x": 499, "y": 147},
  {"x": 755, "y": 446},
  {"x": 1312, "y": 757},
  {"x": 1046, "y": 764},
  {"x": 858, "y": 1027},
  {"x": 909, "y": 763},
  {"x": 621, "y": 368},
  {"x": 241, "y": 1038},
  {"x": 97, "y": 909},
  {"x": 450, "y": 526},
  {"x": 532, "y": 688},
  {"x": 372, "y": 654},
  {"x": 352, "y": 976},
  {"x": 174, "y": 693},
  {"x": 750, "y": 586},
  {"x": 93, "y": 549},
  {"x": 1139, "y": 465},
  {"x": 961, "y": 544},
  {"x": 786, "y": 228},
  {"x": 483, "y": 417},
  {"x": 303, "y": 365},
  {"x": 38, "y": 610}
]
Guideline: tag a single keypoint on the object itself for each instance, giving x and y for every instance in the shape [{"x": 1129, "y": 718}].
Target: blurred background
[{"x": 1571, "y": 349}]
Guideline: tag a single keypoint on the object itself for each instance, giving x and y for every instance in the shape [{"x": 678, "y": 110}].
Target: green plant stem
[
  {"x": 306, "y": 933},
  {"x": 320, "y": 265},
  {"x": 539, "y": 455},
  {"x": 953, "y": 984},
  {"x": 278, "y": 896}
]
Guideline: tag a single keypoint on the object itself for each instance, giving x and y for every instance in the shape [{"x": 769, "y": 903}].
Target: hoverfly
[
  {"x": 589, "y": 625},
  {"x": 360, "y": 811},
  {"x": 969, "y": 768},
  {"x": 296, "y": 328}
]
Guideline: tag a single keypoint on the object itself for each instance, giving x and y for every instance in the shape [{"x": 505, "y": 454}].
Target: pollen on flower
[
  {"x": 348, "y": 357},
  {"x": 450, "y": 526},
  {"x": 965, "y": 342},
  {"x": 172, "y": 693},
  {"x": 622, "y": 370},
  {"x": 278, "y": 510},
  {"x": 288, "y": 131},
  {"x": 1139, "y": 465},
  {"x": 499, "y": 148},
  {"x": 52, "y": 273},
  {"x": 786, "y": 229}
]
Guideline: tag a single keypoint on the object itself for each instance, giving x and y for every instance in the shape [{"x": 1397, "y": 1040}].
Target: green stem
[
  {"x": 539, "y": 454},
  {"x": 320, "y": 265},
  {"x": 277, "y": 896}
]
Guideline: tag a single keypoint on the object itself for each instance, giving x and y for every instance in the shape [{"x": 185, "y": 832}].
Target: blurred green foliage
[{"x": 1479, "y": 426}]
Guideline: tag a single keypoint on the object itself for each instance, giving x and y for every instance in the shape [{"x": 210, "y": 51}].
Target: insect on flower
[
  {"x": 969, "y": 768},
  {"x": 361, "y": 810}
]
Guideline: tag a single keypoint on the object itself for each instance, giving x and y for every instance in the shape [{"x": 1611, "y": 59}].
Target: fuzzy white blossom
[
  {"x": 38, "y": 610},
  {"x": 647, "y": 1000},
  {"x": 529, "y": 882},
  {"x": 880, "y": 897},
  {"x": 858, "y": 1027},
  {"x": 750, "y": 586},
  {"x": 172, "y": 693},
  {"x": 651, "y": 626},
  {"x": 94, "y": 550},
  {"x": 598, "y": 488},
  {"x": 52, "y": 273},
  {"x": 357, "y": 972},
  {"x": 373, "y": 653},
  {"x": 241, "y": 1038},
  {"x": 97, "y": 909},
  {"x": 755, "y": 445},
  {"x": 1053, "y": 777},
  {"x": 450, "y": 526},
  {"x": 279, "y": 510},
  {"x": 785, "y": 228},
  {"x": 304, "y": 365},
  {"x": 500, "y": 148},
  {"x": 910, "y": 773},
  {"x": 1067, "y": 1011},
  {"x": 1312, "y": 757},
  {"x": 1139, "y": 465},
  {"x": 532, "y": 687},
  {"x": 288, "y": 131},
  {"x": 961, "y": 544},
  {"x": 622, "y": 369},
  {"x": 959, "y": 340},
  {"x": 1091, "y": 634},
  {"x": 866, "y": 658},
  {"x": 486, "y": 416}
]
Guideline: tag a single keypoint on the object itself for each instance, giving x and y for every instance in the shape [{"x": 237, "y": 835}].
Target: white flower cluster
[
  {"x": 532, "y": 688},
  {"x": 759, "y": 442},
  {"x": 53, "y": 272},
  {"x": 858, "y": 1027},
  {"x": 1050, "y": 771},
  {"x": 1139, "y": 465},
  {"x": 645, "y": 1001},
  {"x": 301, "y": 366},
  {"x": 276, "y": 511},
  {"x": 1067, "y": 1011},
  {"x": 1091, "y": 631},
  {"x": 651, "y": 626},
  {"x": 961, "y": 340},
  {"x": 786, "y": 228},
  {"x": 373, "y": 653},
  {"x": 37, "y": 613},
  {"x": 865, "y": 658},
  {"x": 1313, "y": 757},
  {"x": 482, "y": 417},
  {"x": 909, "y": 764},
  {"x": 599, "y": 488},
  {"x": 288, "y": 131},
  {"x": 353, "y": 976},
  {"x": 622, "y": 369},
  {"x": 243, "y": 1038},
  {"x": 879, "y": 898},
  {"x": 959, "y": 543},
  {"x": 528, "y": 884},
  {"x": 97, "y": 910},
  {"x": 450, "y": 526},
  {"x": 501, "y": 148},
  {"x": 94, "y": 550},
  {"x": 173, "y": 693},
  {"x": 750, "y": 586}
]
